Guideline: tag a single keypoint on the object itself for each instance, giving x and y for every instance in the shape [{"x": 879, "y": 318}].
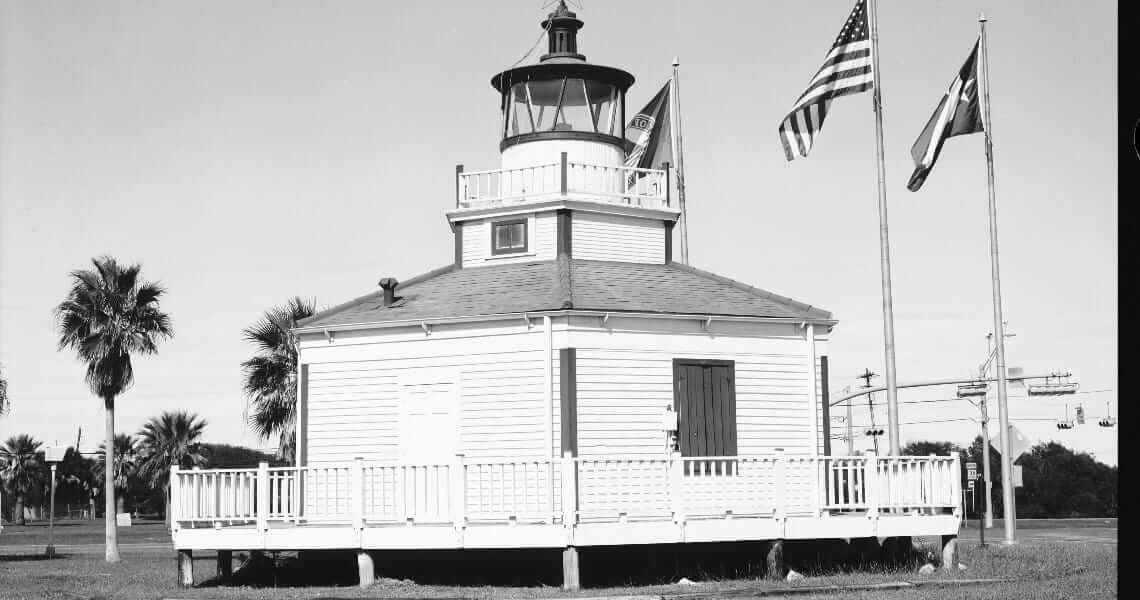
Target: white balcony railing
[
  {"x": 646, "y": 188},
  {"x": 566, "y": 490}
]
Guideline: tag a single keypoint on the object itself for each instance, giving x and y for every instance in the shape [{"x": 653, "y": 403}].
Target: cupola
[{"x": 562, "y": 103}]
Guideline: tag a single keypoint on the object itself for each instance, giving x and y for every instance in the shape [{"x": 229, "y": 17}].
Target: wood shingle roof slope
[{"x": 563, "y": 284}]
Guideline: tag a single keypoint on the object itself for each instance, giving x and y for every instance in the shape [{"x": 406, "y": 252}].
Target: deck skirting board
[{"x": 447, "y": 537}]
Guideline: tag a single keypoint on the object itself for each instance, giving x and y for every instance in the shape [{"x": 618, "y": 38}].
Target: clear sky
[{"x": 245, "y": 152}]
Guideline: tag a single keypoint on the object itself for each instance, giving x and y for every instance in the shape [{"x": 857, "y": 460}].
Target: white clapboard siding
[
  {"x": 623, "y": 393},
  {"x": 355, "y": 396},
  {"x": 542, "y": 232},
  {"x": 618, "y": 238}
]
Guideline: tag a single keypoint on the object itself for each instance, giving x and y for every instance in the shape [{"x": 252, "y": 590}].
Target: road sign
[
  {"x": 972, "y": 470},
  {"x": 970, "y": 483},
  {"x": 1017, "y": 481},
  {"x": 1018, "y": 443}
]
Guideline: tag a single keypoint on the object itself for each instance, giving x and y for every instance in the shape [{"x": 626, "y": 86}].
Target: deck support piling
[
  {"x": 775, "y": 560},
  {"x": 366, "y": 568},
  {"x": 185, "y": 568},
  {"x": 950, "y": 553},
  {"x": 225, "y": 564},
  {"x": 570, "y": 578}
]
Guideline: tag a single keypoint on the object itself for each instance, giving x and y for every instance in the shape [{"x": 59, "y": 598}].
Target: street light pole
[{"x": 50, "y": 550}]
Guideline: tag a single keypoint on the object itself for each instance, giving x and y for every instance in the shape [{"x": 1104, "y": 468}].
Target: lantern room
[{"x": 562, "y": 103}]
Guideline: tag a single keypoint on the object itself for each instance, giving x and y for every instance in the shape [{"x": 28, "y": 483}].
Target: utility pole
[{"x": 866, "y": 377}]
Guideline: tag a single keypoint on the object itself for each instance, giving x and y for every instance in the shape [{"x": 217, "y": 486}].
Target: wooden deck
[{"x": 567, "y": 502}]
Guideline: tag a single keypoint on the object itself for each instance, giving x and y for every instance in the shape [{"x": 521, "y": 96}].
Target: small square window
[{"x": 508, "y": 237}]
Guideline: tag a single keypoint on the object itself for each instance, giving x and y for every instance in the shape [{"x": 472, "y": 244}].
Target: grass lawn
[
  {"x": 76, "y": 531},
  {"x": 1044, "y": 571}
]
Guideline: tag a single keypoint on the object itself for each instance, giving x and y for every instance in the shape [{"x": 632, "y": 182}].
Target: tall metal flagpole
[
  {"x": 679, "y": 169},
  {"x": 884, "y": 243},
  {"x": 1008, "y": 509}
]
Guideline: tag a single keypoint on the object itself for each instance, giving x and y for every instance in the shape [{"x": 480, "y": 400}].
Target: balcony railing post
[
  {"x": 175, "y": 498},
  {"x": 956, "y": 483},
  {"x": 569, "y": 492},
  {"x": 779, "y": 493},
  {"x": 263, "y": 496},
  {"x": 458, "y": 185},
  {"x": 458, "y": 486},
  {"x": 356, "y": 492},
  {"x": 668, "y": 191},
  {"x": 676, "y": 477},
  {"x": 565, "y": 174},
  {"x": 871, "y": 484}
]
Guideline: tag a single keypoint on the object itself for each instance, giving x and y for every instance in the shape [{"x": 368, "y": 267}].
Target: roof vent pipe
[{"x": 388, "y": 284}]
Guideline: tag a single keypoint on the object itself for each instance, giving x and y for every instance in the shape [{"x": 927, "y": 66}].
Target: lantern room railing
[{"x": 645, "y": 188}]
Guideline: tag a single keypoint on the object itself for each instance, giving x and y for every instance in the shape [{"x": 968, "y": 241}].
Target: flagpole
[
  {"x": 679, "y": 169},
  {"x": 884, "y": 243},
  {"x": 1008, "y": 508}
]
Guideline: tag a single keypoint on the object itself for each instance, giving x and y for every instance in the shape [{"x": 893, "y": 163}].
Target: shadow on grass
[
  {"x": 602, "y": 566},
  {"x": 29, "y": 557}
]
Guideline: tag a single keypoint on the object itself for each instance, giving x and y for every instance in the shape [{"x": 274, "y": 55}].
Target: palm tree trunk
[
  {"x": 119, "y": 504},
  {"x": 18, "y": 511},
  {"x": 166, "y": 510},
  {"x": 112, "y": 532}
]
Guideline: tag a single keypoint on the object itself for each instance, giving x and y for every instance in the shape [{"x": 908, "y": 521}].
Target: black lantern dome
[{"x": 562, "y": 96}]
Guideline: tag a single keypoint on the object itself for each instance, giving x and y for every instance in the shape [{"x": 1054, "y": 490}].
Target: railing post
[
  {"x": 822, "y": 495},
  {"x": 458, "y": 184},
  {"x": 956, "y": 483},
  {"x": 569, "y": 491},
  {"x": 175, "y": 497},
  {"x": 871, "y": 484},
  {"x": 564, "y": 174},
  {"x": 668, "y": 188},
  {"x": 263, "y": 496},
  {"x": 779, "y": 493},
  {"x": 458, "y": 485},
  {"x": 356, "y": 492},
  {"x": 676, "y": 478}
]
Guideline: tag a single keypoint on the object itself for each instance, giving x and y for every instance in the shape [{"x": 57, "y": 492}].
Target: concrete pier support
[
  {"x": 225, "y": 564},
  {"x": 570, "y": 575},
  {"x": 950, "y": 553},
  {"x": 775, "y": 560},
  {"x": 366, "y": 568},
  {"x": 185, "y": 568}
]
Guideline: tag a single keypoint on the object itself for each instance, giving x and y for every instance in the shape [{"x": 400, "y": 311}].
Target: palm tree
[
  {"x": 125, "y": 456},
  {"x": 271, "y": 375},
  {"x": 166, "y": 441},
  {"x": 23, "y": 469},
  {"x": 108, "y": 315}
]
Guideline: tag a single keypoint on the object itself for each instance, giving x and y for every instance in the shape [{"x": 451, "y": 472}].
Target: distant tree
[
  {"x": 108, "y": 316},
  {"x": 225, "y": 456},
  {"x": 76, "y": 482},
  {"x": 1062, "y": 483},
  {"x": 24, "y": 471},
  {"x": 125, "y": 469},
  {"x": 3, "y": 392},
  {"x": 926, "y": 448},
  {"x": 271, "y": 375},
  {"x": 168, "y": 440}
]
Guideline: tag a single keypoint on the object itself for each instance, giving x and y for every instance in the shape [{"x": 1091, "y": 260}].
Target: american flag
[{"x": 847, "y": 70}]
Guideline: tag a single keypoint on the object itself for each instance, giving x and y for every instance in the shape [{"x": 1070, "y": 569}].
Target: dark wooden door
[{"x": 704, "y": 394}]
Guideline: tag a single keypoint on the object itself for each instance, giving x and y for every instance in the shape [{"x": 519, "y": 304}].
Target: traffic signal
[
  {"x": 874, "y": 432},
  {"x": 1064, "y": 424}
]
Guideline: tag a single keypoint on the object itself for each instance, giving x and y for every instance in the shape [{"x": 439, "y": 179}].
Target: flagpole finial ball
[
  {"x": 676, "y": 62},
  {"x": 981, "y": 17}
]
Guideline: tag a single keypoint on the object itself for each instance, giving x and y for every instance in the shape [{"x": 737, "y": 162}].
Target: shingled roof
[{"x": 565, "y": 284}]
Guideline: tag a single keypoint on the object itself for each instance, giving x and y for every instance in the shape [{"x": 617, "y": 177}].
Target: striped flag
[
  {"x": 846, "y": 70},
  {"x": 648, "y": 136},
  {"x": 957, "y": 114}
]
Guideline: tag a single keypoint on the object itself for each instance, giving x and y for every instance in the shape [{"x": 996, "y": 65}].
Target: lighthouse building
[{"x": 565, "y": 382}]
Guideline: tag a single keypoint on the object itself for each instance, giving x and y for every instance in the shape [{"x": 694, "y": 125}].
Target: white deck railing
[
  {"x": 647, "y": 188},
  {"x": 566, "y": 490}
]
